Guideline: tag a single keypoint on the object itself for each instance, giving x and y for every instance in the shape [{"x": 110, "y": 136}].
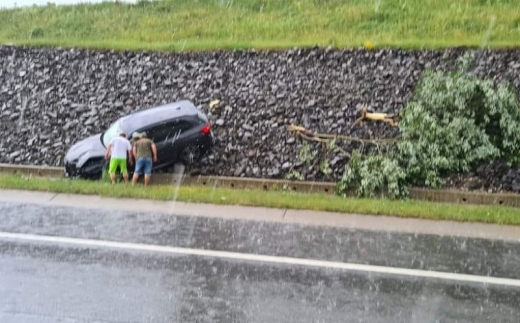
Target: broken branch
[
  {"x": 377, "y": 117},
  {"x": 325, "y": 138}
]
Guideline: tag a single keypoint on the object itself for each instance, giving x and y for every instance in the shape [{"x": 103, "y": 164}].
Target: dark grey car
[{"x": 181, "y": 132}]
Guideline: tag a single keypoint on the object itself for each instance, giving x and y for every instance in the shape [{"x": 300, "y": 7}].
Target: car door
[
  {"x": 166, "y": 137},
  {"x": 180, "y": 133},
  {"x": 160, "y": 134}
]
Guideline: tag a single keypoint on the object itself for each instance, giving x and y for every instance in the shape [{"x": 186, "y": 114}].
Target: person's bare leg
[
  {"x": 146, "y": 180},
  {"x": 134, "y": 179},
  {"x": 125, "y": 178},
  {"x": 113, "y": 178}
]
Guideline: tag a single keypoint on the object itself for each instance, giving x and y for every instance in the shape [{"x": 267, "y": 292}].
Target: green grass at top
[
  {"x": 274, "y": 199},
  {"x": 225, "y": 24}
]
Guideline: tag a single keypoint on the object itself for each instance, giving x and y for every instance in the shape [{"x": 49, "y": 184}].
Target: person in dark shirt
[{"x": 145, "y": 153}]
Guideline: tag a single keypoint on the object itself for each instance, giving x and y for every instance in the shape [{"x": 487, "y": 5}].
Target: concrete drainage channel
[{"x": 443, "y": 196}]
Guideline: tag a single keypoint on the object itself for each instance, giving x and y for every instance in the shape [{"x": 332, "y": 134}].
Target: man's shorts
[
  {"x": 115, "y": 163},
  {"x": 143, "y": 165}
]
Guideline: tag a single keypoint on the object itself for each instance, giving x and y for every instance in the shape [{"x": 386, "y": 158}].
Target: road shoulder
[{"x": 311, "y": 218}]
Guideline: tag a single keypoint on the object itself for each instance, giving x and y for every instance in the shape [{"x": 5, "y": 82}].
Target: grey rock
[
  {"x": 67, "y": 125},
  {"x": 32, "y": 141},
  {"x": 247, "y": 135},
  {"x": 248, "y": 127},
  {"x": 238, "y": 171}
]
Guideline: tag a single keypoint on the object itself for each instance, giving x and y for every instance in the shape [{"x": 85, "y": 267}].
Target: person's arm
[
  {"x": 130, "y": 159},
  {"x": 154, "y": 149},
  {"x": 107, "y": 153},
  {"x": 134, "y": 150}
]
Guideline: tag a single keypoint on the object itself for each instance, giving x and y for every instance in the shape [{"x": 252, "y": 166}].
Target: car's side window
[
  {"x": 181, "y": 125},
  {"x": 161, "y": 132},
  {"x": 168, "y": 130}
]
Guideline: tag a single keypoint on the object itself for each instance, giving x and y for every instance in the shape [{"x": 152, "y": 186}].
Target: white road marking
[{"x": 264, "y": 258}]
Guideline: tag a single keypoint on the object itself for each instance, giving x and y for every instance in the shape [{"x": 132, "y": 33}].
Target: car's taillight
[{"x": 206, "y": 129}]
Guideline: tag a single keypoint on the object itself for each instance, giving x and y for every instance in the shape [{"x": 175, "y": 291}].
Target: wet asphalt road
[{"x": 53, "y": 282}]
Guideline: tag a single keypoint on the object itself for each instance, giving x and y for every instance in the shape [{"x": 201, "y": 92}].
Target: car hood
[{"x": 85, "y": 149}]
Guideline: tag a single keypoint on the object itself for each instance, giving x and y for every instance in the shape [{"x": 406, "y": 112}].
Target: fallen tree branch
[
  {"x": 326, "y": 138},
  {"x": 391, "y": 119}
]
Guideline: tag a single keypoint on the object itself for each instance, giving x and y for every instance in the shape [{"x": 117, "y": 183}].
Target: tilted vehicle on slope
[{"x": 180, "y": 131}]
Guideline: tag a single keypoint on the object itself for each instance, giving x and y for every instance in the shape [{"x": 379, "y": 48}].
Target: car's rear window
[{"x": 202, "y": 116}]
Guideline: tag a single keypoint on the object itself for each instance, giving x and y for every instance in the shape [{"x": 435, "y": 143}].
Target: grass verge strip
[
  {"x": 208, "y": 24},
  {"x": 273, "y": 199}
]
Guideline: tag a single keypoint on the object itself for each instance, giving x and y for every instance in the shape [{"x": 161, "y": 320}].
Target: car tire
[
  {"x": 190, "y": 155},
  {"x": 104, "y": 172}
]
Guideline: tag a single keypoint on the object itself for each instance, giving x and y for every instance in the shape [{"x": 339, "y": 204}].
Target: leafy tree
[{"x": 455, "y": 122}]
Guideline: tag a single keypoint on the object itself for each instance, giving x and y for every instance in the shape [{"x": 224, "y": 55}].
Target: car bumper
[
  {"x": 71, "y": 170},
  {"x": 91, "y": 169},
  {"x": 209, "y": 141}
]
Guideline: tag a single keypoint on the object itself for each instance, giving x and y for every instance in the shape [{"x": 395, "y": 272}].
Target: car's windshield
[{"x": 111, "y": 132}]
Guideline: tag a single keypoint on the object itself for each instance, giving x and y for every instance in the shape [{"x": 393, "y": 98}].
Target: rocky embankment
[{"x": 51, "y": 98}]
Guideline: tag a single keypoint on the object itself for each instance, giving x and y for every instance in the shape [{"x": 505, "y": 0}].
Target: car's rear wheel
[{"x": 191, "y": 154}]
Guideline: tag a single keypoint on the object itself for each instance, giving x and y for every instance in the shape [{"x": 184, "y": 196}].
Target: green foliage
[
  {"x": 294, "y": 175},
  {"x": 325, "y": 167},
  {"x": 307, "y": 155},
  {"x": 455, "y": 122},
  {"x": 351, "y": 179},
  {"x": 232, "y": 24},
  {"x": 37, "y": 32},
  {"x": 332, "y": 146},
  {"x": 375, "y": 175},
  {"x": 318, "y": 156}
]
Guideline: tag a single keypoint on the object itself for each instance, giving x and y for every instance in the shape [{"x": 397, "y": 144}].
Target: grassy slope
[
  {"x": 414, "y": 209},
  {"x": 209, "y": 24}
]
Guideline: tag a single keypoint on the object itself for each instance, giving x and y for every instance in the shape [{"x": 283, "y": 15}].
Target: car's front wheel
[{"x": 104, "y": 171}]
